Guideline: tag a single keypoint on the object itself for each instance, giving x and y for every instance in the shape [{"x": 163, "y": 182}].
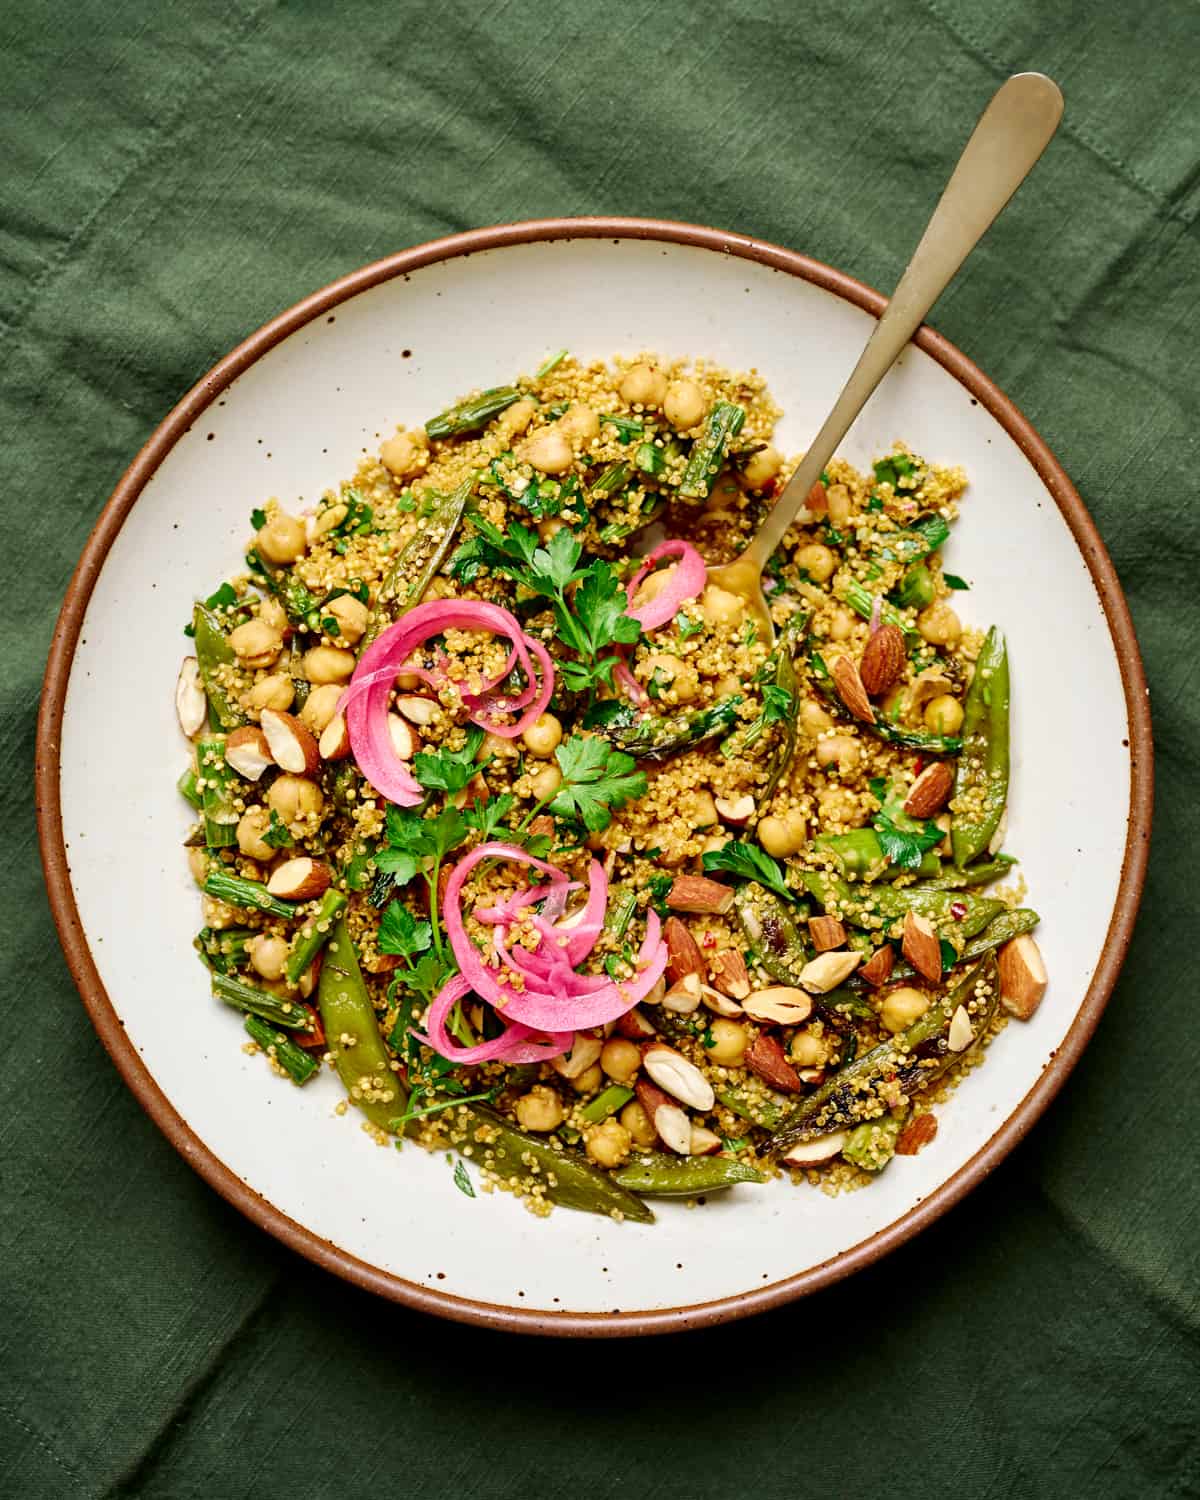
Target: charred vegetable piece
[
  {"x": 411, "y": 574},
  {"x": 474, "y": 414},
  {"x": 981, "y": 785},
  {"x": 770, "y": 927},
  {"x": 298, "y": 1065},
  {"x": 252, "y": 1001},
  {"x": 723, "y": 423},
  {"x": 661, "y": 1176},
  {"x": 893, "y": 734},
  {"x": 954, "y": 912},
  {"x": 649, "y": 737}
]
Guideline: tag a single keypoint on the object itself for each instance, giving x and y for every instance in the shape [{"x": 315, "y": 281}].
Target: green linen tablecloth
[{"x": 174, "y": 175}]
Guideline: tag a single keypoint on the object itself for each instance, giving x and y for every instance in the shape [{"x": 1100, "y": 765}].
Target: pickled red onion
[
  {"x": 690, "y": 577},
  {"x": 517, "y": 1044}
]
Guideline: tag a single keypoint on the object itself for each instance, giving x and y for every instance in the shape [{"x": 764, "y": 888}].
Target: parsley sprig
[
  {"x": 749, "y": 862},
  {"x": 596, "y": 778}
]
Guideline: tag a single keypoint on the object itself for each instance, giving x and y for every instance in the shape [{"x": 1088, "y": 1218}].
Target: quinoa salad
[{"x": 518, "y": 822}]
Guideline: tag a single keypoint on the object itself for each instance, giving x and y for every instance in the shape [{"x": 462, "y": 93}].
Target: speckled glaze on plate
[{"x": 287, "y": 414}]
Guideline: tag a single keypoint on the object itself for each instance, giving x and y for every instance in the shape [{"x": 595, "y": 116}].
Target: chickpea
[
  {"x": 621, "y": 1060},
  {"x": 714, "y": 842},
  {"x": 256, "y": 643},
  {"x": 282, "y": 538},
  {"x": 329, "y": 517},
  {"x": 723, "y": 495},
  {"x": 274, "y": 614},
  {"x": 838, "y": 504},
  {"x": 513, "y": 421},
  {"x": 841, "y": 625},
  {"x": 607, "y": 1144},
  {"x": 727, "y": 684},
  {"x": 497, "y": 747},
  {"x": 643, "y": 384},
  {"x": 589, "y": 1080},
  {"x": 543, "y": 736},
  {"x": 796, "y": 824},
  {"x": 351, "y": 615},
  {"x": 579, "y": 422},
  {"x": 836, "y": 804},
  {"x": 268, "y": 955},
  {"x": 276, "y": 691},
  {"x": 652, "y": 585},
  {"x": 728, "y": 1042},
  {"x": 546, "y": 782},
  {"x": 777, "y": 837},
  {"x": 807, "y": 1050},
  {"x": 896, "y": 703},
  {"x": 701, "y": 809},
  {"x": 253, "y": 823},
  {"x": 901, "y": 1007},
  {"x": 540, "y": 1109},
  {"x": 198, "y": 865},
  {"x": 939, "y": 624},
  {"x": 406, "y": 454},
  {"x": 295, "y": 797},
  {"x": 762, "y": 467},
  {"x": 550, "y": 527},
  {"x": 548, "y": 450},
  {"x": 638, "y": 1123},
  {"x": 944, "y": 715},
  {"x": 720, "y": 607},
  {"x": 217, "y": 914},
  {"x": 817, "y": 561},
  {"x": 813, "y": 718},
  {"x": 328, "y": 664},
  {"x": 842, "y": 750},
  {"x": 320, "y": 707},
  {"x": 683, "y": 405},
  {"x": 672, "y": 675}
]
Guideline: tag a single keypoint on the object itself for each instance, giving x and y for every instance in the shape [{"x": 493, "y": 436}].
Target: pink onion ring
[
  {"x": 690, "y": 577},
  {"x": 513, "y": 1046}
]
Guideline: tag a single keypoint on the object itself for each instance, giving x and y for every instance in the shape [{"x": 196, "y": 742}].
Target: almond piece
[
  {"x": 851, "y": 691},
  {"x": 704, "y": 1142},
  {"x": 1023, "y": 977},
  {"x": 417, "y": 710},
  {"x": 729, "y": 974},
  {"x": 292, "y": 744},
  {"x": 683, "y": 951},
  {"x": 827, "y": 933},
  {"x": 696, "y": 893},
  {"x": 679, "y": 1077},
  {"x": 671, "y": 1123},
  {"x": 247, "y": 751},
  {"x": 735, "y": 813},
  {"x": 191, "y": 705},
  {"x": 765, "y": 1058},
  {"x": 405, "y": 739},
  {"x": 878, "y": 968},
  {"x": 778, "y": 1005},
  {"x": 883, "y": 660},
  {"x": 827, "y": 971},
  {"x": 919, "y": 1131},
  {"x": 928, "y": 794},
  {"x": 961, "y": 1033},
  {"x": 922, "y": 947},
  {"x": 300, "y": 879},
  {"x": 813, "y": 1153},
  {"x": 816, "y": 502},
  {"x": 684, "y": 995},
  {"x": 585, "y": 1050},
  {"x": 334, "y": 743},
  {"x": 718, "y": 1003},
  {"x": 634, "y": 1026}
]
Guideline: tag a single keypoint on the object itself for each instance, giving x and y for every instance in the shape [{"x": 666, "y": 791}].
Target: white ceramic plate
[{"x": 288, "y": 414}]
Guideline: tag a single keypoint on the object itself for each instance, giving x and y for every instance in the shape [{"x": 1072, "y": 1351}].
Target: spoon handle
[{"x": 1012, "y": 133}]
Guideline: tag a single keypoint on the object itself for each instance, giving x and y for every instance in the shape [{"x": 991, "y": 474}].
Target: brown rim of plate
[{"x": 111, "y": 1029}]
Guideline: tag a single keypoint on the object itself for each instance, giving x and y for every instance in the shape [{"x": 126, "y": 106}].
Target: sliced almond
[
  {"x": 718, "y": 1003},
  {"x": 634, "y": 1025},
  {"x": 929, "y": 793},
  {"x": 684, "y": 995},
  {"x": 766, "y": 1060},
  {"x": 247, "y": 751},
  {"x": 883, "y": 660},
  {"x": 851, "y": 691},
  {"x": 334, "y": 743},
  {"x": 922, "y": 947},
  {"x": 417, "y": 710},
  {"x": 996, "y": 842},
  {"x": 961, "y": 1033},
  {"x": 405, "y": 739},
  {"x": 735, "y": 813},
  {"x": 778, "y": 1005},
  {"x": 918, "y": 1133},
  {"x": 704, "y": 1142},
  {"x": 292, "y": 744},
  {"x": 300, "y": 879},
  {"x": 683, "y": 951},
  {"x": 813, "y": 1153},
  {"x": 1023, "y": 977},
  {"x": 816, "y": 502},
  {"x": 671, "y": 1123},
  {"x": 308, "y": 980},
  {"x": 696, "y": 893},
  {"x": 585, "y": 1050},
  {"x": 878, "y": 968},
  {"x": 827, "y": 971},
  {"x": 191, "y": 705},
  {"x": 827, "y": 933},
  {"x": 729, "y": 974},
  {"x": 679, "y": 1077}
]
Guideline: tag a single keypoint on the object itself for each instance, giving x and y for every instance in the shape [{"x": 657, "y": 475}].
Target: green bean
[
  {"x": 950, "y": 879},
  {"x": 313, "y": 936},
  {"x": 353, "y": 1036},
  {"x": 769, "y": 926},
  {"x": 613, "y": 477},
  {"x": 551, "y": 363},
  {"x": 862, "y": 602},
  {"x": 628, "y": 428},
  {"x": 216, "y": 783},
  {"x": 860, "y": 856},
  {"x": 412, "y": 572},
  {"x": 523, "y": 1159},
  {"x": 213, "y": 652},
  {"x": 189, "y": 790},
  {"x": 661, "y": 1176},
  {"x": 753, "y": 1101},
  {"x": 881, "y": 728},
  {"x": 952, "y": 912},
  {"x": 473, "y": 414},
  {"x": 904, "y": 1064},
  {"x": 981, "y": 783},
  {"x": 873, "y": 1143},
  {"x": 916, "y": 589},
  {"x": 649, "y": 737},
  {"x": 722, "y": 424},
  {"x": 252, "y": 893},
  {"x": 249, "y": 998},
  {"x": 299, "y": 1066},
  {"x": 613, "y": 1098}
]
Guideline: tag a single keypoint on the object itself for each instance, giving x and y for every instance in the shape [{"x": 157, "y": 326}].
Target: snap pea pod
[
  {"x": 249, "y": 999},
  {"x": 473, "y": 414},
  {"x": 661, "y": 1176},
  {"x": 907, "y": 1063},
  {"x": 189, "y": 790},
  {"x": 916, "y": 589},
  {"x": 569, "y": 1178},
  {"x": 755, "y": 1102},
  {"x": 862, "y": 602},
  {"x": 770, "y": 927},
  {"x": 950, "y": 879},
  {"x": 294, "y": 1060},
  {"x": 353, "y": 1036},
  {"x": 648, "y": 737},
  {"x": 412, "y": 572},
  {"x": 981, "y": 782},
  {"x": 313, "y": 936},
  {"x": 860, "y": 856},
  {"x": 723, "y": 423},
  {"x": 872, "y": 1144},
  {"x": 859, "y": 904},
  {"x": 881, "y": 728},
  {"x": 252, "y": 893},
  {"x": 613, "y": 1098},
  {"x": 216, "y": 783},
  {"x": 213, "y": 652}
]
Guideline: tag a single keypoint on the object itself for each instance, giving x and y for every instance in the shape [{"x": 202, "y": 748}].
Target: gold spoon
[{"x": 1012, "y": 133}]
